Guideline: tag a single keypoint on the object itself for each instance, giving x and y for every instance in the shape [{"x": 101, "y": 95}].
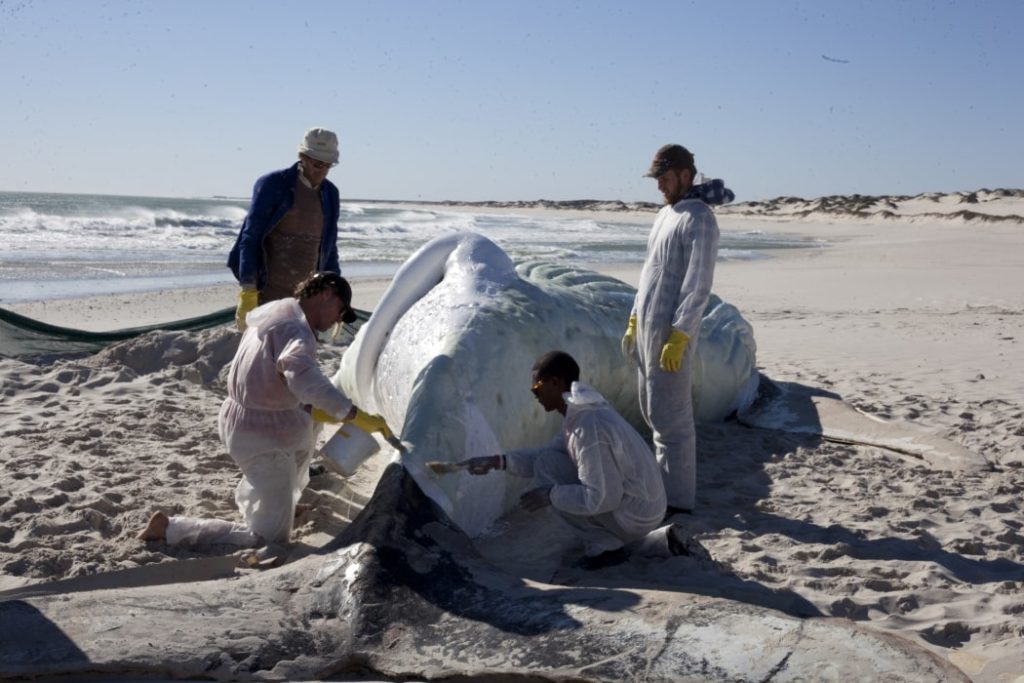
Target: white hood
[{"x": 581, "y": 394}]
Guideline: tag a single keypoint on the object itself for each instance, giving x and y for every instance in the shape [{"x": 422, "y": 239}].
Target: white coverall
[
  {"x": 673, "y": 291},
  {"x": 603, "y": 477},
  {"x": 265, "y": 429}
]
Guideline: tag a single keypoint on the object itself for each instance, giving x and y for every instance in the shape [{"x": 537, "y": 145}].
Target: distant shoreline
[
  {"x": 998, "y": 205},
  {"x": 558, "y": 205}
]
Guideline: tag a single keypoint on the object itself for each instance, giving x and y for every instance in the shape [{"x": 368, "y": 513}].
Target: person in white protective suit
[
  {"x": 276, "y": 393},
  {"x": 598, "y": 473},
  {"x": 664, "y": 324}
]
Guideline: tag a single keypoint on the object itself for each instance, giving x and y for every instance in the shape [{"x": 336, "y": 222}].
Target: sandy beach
[{"x": 914, "y": 318}]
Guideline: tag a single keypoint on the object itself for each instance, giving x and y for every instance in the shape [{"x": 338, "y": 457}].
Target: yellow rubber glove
[
  {"x": 370, "y": 423},
  {"x": 323, "y": 416},
  {"x": 629, "y": 339},
  {"x": 248, "y": 299},
  {"x": 673, "y": 350}
]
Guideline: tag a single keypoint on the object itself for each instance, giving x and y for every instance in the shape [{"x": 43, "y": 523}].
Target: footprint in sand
[
  {"x": 56, "y": 500},
  {"x": 883, "y": 586},
  {"x": 834, "y": 552},
  {"x": 849, "y": 609},
  {"x": 903, "y": 604},
  {"x": 951, "y": 634},
  {"x": 94, "y": 518},
  {"x": 19, "y": 506},
  {"x": 70, "y": 484},
  {"x": 968, "y": 546},
  {"x": 105, "y": 505}
]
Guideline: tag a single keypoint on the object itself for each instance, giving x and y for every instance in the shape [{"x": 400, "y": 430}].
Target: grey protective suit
[
  {"x": 604, "y": 480},
  {"x": 673, "y": 291},
  {"x": 266, "y": 429}
]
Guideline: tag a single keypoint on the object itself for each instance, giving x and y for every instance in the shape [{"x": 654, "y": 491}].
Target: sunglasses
[{"x": 318, "y": 165}]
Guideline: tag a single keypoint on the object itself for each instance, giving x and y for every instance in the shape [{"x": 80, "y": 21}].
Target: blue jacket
[{"x": 272, "y": 196}]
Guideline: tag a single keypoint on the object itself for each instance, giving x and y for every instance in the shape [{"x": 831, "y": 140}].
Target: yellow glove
[
  {"x": 370, "y": 423},
  {"x": 629, "y": 339},
  {"x": 248, "y": 299},
  {"x": 672, "y": 351},
  {"x": 323, "y": 416}
]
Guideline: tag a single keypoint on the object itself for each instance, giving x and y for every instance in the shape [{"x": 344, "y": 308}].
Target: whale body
[{"x": 447, "y": 355}]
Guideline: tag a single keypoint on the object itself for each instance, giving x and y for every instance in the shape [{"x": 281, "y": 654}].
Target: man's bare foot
[{"x": 156, "y": 530}]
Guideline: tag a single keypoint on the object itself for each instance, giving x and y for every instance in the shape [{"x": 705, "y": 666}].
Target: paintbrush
[
  {"x": 435, "y": 466},
  {"x": 396, "y": 443},
  {"x": 439, "y": 467}
]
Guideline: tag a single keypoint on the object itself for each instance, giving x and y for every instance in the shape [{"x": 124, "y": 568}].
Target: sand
[{"x": 910, "y": 320}]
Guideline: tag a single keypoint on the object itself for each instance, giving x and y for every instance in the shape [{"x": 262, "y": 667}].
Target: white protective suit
[
  {"x": 673, "y": 291},
  {"x": 605, "y": 481},
  {"x": 265, "y": 428}
]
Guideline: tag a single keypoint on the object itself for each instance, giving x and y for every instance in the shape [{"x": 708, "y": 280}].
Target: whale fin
[{"x": 791, "y": 407}]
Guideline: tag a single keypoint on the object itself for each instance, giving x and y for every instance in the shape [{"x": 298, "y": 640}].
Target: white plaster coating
[{"x": 446, "y": 359}]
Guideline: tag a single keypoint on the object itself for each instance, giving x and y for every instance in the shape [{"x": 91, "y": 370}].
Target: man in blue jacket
[{"x": 291, "y": 229}]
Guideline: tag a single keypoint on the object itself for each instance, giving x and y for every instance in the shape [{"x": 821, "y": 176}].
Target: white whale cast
[
  {"x": 447, "y": 353},
  {"x": 403, "y": 592}
]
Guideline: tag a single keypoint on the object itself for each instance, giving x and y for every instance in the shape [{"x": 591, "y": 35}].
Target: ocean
[{"x": 70, "y": 245}]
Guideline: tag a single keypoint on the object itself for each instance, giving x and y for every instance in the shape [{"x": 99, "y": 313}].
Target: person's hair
[
  {"x": 557, "y": 364},
  {"x": 318, "y": 282},
  {"x": 686, "y": 163},
  {"x": 692, "y": 166}
]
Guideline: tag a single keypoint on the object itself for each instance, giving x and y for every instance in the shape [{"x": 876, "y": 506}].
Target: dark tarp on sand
[{"x": 22, "y": 337}]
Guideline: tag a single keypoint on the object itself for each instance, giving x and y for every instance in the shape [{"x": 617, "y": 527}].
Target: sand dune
[{"x": 981, "y": 206}]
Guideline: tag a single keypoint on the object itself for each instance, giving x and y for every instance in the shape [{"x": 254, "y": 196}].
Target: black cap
[
  {"x": 669, "y": 156},
  {"x": 341, "y": 288}
]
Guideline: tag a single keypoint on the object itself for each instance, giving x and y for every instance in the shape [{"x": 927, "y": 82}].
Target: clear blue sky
[{"x": 515, "y": 99}]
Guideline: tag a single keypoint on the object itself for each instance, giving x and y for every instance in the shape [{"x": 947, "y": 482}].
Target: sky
[{"x": 513, "y": 100}]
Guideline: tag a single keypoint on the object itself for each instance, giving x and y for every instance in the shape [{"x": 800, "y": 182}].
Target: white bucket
[{"x": 349, "y": 448}]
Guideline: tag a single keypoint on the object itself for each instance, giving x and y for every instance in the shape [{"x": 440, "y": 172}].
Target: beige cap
[{"x": 320, "y": 144}]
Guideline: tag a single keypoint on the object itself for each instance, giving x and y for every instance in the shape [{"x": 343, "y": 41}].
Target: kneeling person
[
  {"x": 598, "y": 473},
  {"x": 276, "y": 392}
]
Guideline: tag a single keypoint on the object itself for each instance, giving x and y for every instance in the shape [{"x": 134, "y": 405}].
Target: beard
[{"x": 676, "y": 190}]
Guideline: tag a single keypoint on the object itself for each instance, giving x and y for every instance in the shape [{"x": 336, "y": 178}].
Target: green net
[{"x": 22, "y": 337}]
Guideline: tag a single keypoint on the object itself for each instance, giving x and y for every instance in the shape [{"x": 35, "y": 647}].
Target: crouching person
[
  {"x": 276, "y": 393},
  {"x": 598, "y": 473}
]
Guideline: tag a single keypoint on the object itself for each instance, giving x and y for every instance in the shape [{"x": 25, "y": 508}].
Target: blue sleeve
[
  {"x": 247, "y": 257},
  {"x": 329, "y": 248}
]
